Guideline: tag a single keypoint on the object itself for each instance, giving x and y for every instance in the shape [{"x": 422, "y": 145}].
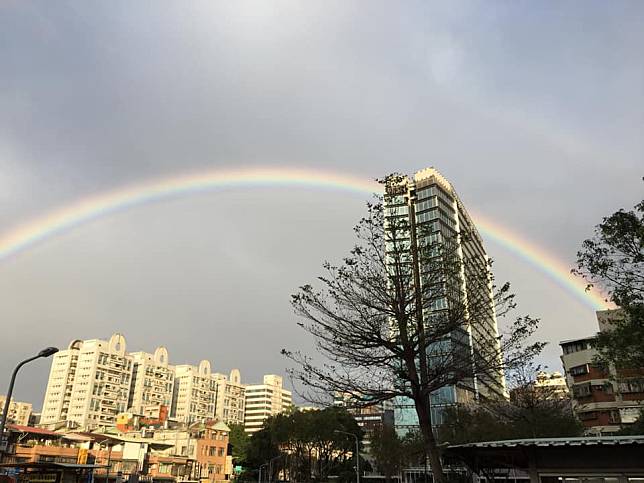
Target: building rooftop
[
  {"x": 559, "y": 457},
  {"x": 32, "y": 430},
  {"x": 570, "y": 341},
  {"x": 578, "y": 441}
]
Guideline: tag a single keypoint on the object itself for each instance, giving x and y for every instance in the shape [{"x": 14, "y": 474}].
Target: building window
[
  {"x": 581, "y": 390},
  {"x": 578, "y": 370},
  {"x": 576, "y": 346},
  {"x": 631, "y": 386},
  {"x": 588, "y": 415}
]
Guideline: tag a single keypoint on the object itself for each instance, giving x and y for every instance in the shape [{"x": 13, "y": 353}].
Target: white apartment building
[
  {"x": 19, "y": 412},
  {"x": 553, "y": 383},
  {"x": 230, "y": 398},
  {"x": 195, "y": 393},
  {"x": 152, "y": 380},
  {"x": 265, "y": 400},
  {"x": 89, "y": 384}
]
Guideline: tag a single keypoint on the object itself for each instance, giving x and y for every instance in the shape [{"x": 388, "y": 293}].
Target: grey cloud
[{"x": 534, "y": 111}]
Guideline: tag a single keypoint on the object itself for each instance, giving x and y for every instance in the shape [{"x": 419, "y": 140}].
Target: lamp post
[
  {"x": 260, "y": 472},
  {"x": 43, "y": 353},
  {"x": 270, "y": 467},
  {"x": 357, "y": 452}
]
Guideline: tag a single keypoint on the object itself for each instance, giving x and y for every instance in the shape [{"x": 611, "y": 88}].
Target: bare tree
[
  {"x": 404, "y": 315},
  {"x": 535, "y": 410}
]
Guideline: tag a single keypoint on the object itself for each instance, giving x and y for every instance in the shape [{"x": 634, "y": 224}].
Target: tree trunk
[{"x": 425, "y": 422}]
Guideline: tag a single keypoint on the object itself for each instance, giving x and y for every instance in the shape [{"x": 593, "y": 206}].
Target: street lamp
[
  {"x": 43, "y": 353},
  {"x": 260, "y": 472},
  {"x": 270, "y": 467},
  {"x": 357, "y": 452}
]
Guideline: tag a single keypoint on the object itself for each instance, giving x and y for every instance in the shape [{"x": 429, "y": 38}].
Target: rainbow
[{"x": 25, "y": 236}]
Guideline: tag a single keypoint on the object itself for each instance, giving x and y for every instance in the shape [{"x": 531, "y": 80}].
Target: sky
[{"x": 533, "y": 110}]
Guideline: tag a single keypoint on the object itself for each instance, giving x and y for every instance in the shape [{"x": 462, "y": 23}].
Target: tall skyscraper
[
  {"x": 265, "y": 400},
  {"x": 89, "y": 384},
  {"x": 433, "y": 216}
]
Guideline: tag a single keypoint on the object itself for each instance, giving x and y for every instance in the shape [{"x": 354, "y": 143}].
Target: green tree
[
  {"x": 613, "y": 259},
  {"x": 239, "y": 441},
  {"x": 263, "y": 447},
  {"x": 387, "y": 329},
  {"x": 305, "y": 444},
  {"x": 387, "y": 450}
]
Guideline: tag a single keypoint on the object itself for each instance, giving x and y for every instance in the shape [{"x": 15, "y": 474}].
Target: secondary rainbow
[{"x": 86, "y": 210}]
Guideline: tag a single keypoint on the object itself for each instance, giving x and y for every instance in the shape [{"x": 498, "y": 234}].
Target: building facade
[
  {"x": 152, "y": 380},
  {"x": 195, "y": 393},
  {"x": 89, "y": 384},
  {"x": 231, "y": 398},
  {"x": 265, "y": 400},
  {"x": 212, "y": 445},
  {"x": 196, "y": 452},
  {"x": 551, "y": 384},
  {"x": 205, "y": 444},
  {"x": 605, "y": 399},
  {"x": 433, "y": 217},
  {"x": 19, "y": 412}
]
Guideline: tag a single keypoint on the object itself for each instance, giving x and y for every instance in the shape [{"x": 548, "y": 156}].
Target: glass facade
[{"x": 440, "y": 220}]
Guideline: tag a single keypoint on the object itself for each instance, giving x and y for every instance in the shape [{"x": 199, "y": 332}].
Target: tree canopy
[
  {"x": 306, "y": 445},
  {"x": 613, "y": 260}
]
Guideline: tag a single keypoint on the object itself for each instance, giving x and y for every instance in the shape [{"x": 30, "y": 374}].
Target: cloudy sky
[{"x": 534, "y": 110}]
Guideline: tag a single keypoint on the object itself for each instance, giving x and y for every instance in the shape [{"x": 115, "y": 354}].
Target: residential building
[
  {"x": 553, "y": 384},
  {"x": 89, "y": 384},
  {"x": 265, "y": 400},
  {"x": 231, "y": 395},
  {"x": 212, "y": 447},
  {"x": 117, "y": 456},
  {"x": 432, "y": 215},
  {"x": 195, "y": 393},
  {"x": 604, "y": 398},
  {"x": 183, "y": 452},
  {"x": 151, "y": 416},
  {"x": 203, "y": 443},
  {"x": 19, "y": 412},
  {"x": 152, "y": 380}
]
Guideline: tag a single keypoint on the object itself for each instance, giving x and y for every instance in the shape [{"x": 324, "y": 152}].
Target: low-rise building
[
  {"x": 19, "y": 412},
  {"x": 203, "y": 443},
  {"x": 604, "y": 398},
  {"x": 182, "y": 452}
]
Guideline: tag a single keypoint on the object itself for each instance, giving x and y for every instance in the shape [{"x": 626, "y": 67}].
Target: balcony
[{"x": 33, "y": 453}]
